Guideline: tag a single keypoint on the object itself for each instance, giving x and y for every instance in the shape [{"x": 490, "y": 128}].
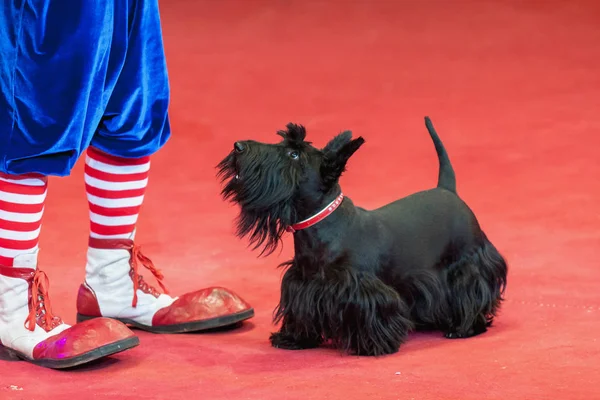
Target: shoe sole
[
  {"x": 93, "y": 355},
  {"x": 194, "y": 326}
]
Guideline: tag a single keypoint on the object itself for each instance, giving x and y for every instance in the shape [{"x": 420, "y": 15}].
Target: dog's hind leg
[{"x": 475, "y": 284}]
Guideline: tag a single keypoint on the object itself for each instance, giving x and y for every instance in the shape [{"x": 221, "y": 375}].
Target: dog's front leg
[
  {"x": 367, "y": 317},
  {"x": 297, "y": 312},
  {"x": 292, "y": 338}
]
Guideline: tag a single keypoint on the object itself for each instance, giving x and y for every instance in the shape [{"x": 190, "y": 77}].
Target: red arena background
[{"x": 513, "y": 89}]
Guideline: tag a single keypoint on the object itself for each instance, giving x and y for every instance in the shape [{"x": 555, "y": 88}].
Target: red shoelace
[
  {"x": 40, "y": 308},
  {"x": 138, "y": 280}
]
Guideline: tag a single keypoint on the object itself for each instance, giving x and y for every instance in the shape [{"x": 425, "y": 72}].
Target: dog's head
[{"x": 279, "y": 184}]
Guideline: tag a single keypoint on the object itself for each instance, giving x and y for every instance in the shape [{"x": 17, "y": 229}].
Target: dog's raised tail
[{"x": 446, "y": 177}]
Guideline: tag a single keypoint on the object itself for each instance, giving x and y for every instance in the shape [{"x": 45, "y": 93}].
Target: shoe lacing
[
  {"x": 137, "y": 257},
  {"x": 40, "y": 308}
]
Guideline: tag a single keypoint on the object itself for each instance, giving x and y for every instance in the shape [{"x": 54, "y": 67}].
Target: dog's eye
[{"x": 294, "y": 154}]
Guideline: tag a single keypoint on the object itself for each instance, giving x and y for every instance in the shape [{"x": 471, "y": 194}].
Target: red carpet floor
[{"x": 514, "y": 90}]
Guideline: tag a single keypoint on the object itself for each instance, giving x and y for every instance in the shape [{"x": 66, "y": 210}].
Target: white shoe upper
[
  {"x": 15, "y": 309},
  {"x": 109, "y": 276}
]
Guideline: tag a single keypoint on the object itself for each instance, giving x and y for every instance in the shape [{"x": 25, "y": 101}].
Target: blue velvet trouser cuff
[{"x": 76, "y": 74}]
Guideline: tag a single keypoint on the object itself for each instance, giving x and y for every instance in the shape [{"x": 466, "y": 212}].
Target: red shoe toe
[
  {"x": 204, "y": 309},
  {"x": 84, "y": 342}
]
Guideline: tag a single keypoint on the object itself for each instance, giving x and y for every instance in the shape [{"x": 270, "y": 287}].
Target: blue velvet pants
[{"x": 79, "y": 73}]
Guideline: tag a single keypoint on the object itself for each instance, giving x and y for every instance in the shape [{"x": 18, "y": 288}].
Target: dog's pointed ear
[
  {"x": 295, "y": 134},
  {"x": 335, "y": 156}
]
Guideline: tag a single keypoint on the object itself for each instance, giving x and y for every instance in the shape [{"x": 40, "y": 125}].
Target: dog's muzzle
[{"x": 239, "y": 147}]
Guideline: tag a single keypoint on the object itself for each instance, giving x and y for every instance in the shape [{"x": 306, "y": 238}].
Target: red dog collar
[{"x": 320, "y": 216}]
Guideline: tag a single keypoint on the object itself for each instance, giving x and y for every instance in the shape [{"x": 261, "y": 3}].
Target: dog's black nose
[{"x": 239, "y": 147}]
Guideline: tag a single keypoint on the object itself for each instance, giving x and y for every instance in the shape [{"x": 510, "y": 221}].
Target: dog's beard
[{"x": 264, "y": 193}]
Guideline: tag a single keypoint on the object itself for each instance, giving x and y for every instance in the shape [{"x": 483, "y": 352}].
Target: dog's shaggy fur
[{"x": 362, "y": 279}]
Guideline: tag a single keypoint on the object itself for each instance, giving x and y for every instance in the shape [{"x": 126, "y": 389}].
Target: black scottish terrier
[{"x": 360, "y": 280}]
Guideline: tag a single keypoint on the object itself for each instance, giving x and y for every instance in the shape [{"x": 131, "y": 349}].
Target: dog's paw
[
  {"x": 477, "y": 329},
  {"x": 288, "y": 342},
  {"x": 454, "y": 335},
  {"x": 464, "y": 335}
]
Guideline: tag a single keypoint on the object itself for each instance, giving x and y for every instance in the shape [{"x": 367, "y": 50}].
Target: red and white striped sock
[
  {"x": 21, "y": 208},
  {"x": 115, "y": 189}
]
